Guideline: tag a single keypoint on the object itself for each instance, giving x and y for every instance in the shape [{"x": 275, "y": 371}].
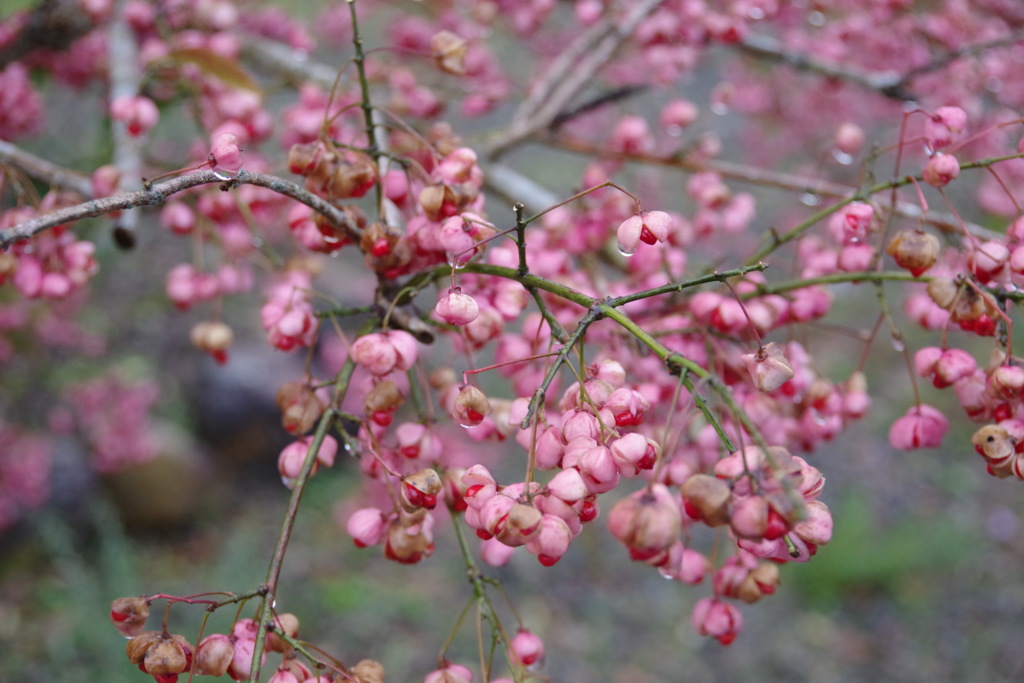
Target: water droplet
[
  {"x": 899, "y": 344},
  {"x": 810, "y": 199},
  {"x": 674, "y": 131},
  {"x": 842, "y": 157},
  {"x": 469, "y": 426},
  {"x": 626, "y": 252},
  {"x": 719, "y": 108},
  {"x": 816, "y": 19},
  {"x": 818, "y": 418},
  {"x": 457, "y": 263},
  {"x": 755, "y": 13},
  {"x": 223, "y": 175}
]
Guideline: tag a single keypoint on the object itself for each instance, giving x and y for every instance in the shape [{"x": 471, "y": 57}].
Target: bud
[
  {"x": 457, "y": 308},
  {"x": 914, "y": 250},
  {"x": 943, "y": 292},
  {"x": 300, "y": 407},
  {"x": 849, "y": 138},
  {"x": 922, "y": 427},
  {"x": 382, "y": 402},
  {"x": 407, "y": 543},
  {"x": 129, "y": 615},
  {"x": 995, "y": 444},
  {"x": 225, "y": 156},
  {"x": 761, "y": 581},
  {"x": 718, "y": 619},
  {"x": 353, "y": 176},
  {"x": 527, "y": 649},
  {"x": 749, "y": 518},
  {"x": 769, "y": 367},
  {"x": 521, "y": 524},
  {"x": 707, "y": 498},
  {"x": 214, "y": 655},
  {"x": 1007, "y": 381},
  {"x": 940, "y": 170},
  {"x": 552, "y": 541},
  {"x": 285, "y": 623},
  {"x": 471, "y": 406},
  {"x": 368, "y": 671},
  {"x": 450, "y": 673},
  {"x": 420, "y": 490},
  {"x": 647, "y": 522},
  {"x": 160, "y": 654},
  {"x": 214, "y": 337},
  {"x": 449, "y": 52}
]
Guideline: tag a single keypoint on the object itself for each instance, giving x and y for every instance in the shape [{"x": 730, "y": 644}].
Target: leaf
[{"x": 216, "y": 65}]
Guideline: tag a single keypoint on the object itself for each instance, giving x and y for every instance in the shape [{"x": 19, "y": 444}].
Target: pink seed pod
[
  {"x": 1006, "y": 381},
  {"x": 849, "y": 138},
  {"x": 527, "y": 649},
  {"x": 214, "y": 655},
  {"x": 457, "y": 308},
  {"x": 552, "y": 541},
  {"x": 384, "y": 352},
  {"x": 647, "y": 522},
  {"x": 129, "y": 615},
  {"x": 707, "y": 498},
  {"x": 420, "y": 490},
  {"x": 367, "y": 527},
  {"x": 470, "y": 406},
  {"x": 450, "y": 673},
  {"x": 769, "y": 367},
  {"x": 914, "y": 250},
  {"x": 634, "y": 453},
  {"x": 225, "y": 156},
  {"x": 648, "y": 227},
  {"x": 944, "y": 125},
  {"x": 138, "y": 113},
  {"x": 940, "y": 170},
  {"x": 716, "y": 618},
  {"x": 922, "y": 427},
  {"x": 677, "y": 115}
]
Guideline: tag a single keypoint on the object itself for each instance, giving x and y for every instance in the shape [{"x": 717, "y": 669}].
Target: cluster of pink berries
[{"x": 167, "y": 656}]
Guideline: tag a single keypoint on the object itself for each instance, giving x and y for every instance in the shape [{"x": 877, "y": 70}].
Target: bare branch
[
  {"x": 767, "y": 178},
  {"x": 158, "y": 194},
  {"x": 44, "y": 171},
  {"x": 888, "y": 83},
  {"x": 293, "y": 65},
  {"x": 568, "y": 77}
]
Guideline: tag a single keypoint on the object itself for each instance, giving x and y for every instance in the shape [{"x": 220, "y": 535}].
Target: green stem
[
  {"x": 563, "y": 355},
  {"x": 777, "y": 241},
  {"x": 674, "y": 287},
  {"x": 834, "y": 278},
  {"x": 268, "y": 590},
  {"x": 364, "y": 88}
]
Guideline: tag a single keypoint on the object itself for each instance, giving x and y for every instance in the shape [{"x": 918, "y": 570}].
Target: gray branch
[{"x": 159, "y": 193}]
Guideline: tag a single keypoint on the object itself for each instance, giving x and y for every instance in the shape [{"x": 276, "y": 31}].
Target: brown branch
[
  {"x": 158, "y": 194},
  {"x": 889, "y": 83},
  {"x": 44, "y": 171},
  {"x": 569, "y": 75},
  {"x": 293, "y": 65},
  {"x": 765, "y": 178}
]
